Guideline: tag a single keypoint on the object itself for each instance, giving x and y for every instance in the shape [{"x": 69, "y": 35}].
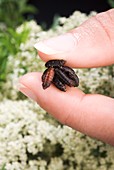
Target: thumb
[{"x": 89, "y": 45}]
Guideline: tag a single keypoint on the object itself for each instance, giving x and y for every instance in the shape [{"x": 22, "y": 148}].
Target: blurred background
[
  {"x": 29, "y": 137},
  {"x": 47, "y": 10},
  {"x": 46, "y": 13}
]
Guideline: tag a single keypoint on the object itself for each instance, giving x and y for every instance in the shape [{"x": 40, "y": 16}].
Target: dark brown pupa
[
  {"x": 47, "y": 77},
  {"x": 59, "y": 75}
]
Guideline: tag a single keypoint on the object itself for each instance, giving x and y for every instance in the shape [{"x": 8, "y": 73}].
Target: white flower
[{"x": 29, "y": 138}]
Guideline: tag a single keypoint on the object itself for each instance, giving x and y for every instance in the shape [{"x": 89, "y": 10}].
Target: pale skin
[{"x": 90, "y": 45}]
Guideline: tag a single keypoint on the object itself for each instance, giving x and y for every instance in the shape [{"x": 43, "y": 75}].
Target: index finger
[{"x": 89, "y": 45}]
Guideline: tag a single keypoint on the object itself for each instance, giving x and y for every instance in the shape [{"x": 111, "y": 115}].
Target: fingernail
[
  {"x": 59, "y": 44},
  {"x": 26, "y": 91}
]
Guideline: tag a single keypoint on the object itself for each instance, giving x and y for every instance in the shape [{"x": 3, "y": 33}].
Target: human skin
[{"x": 90, "y": 45}]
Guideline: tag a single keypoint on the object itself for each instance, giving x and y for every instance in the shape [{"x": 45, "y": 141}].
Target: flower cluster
[
  {"x": 93, "y": 80},
  {"x": 31, "y": 139}
]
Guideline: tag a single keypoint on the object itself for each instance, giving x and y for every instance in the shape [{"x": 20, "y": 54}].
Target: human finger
[
  {"x": 89, "y": 45},
  {"x": 90, "y": 114}
]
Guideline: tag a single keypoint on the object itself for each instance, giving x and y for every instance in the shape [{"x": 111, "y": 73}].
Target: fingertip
[
  {"x": 29, "y": 78},
  {"x": 89, "y": 45},
  {"x": 51, "y": 99},
  {"x": 27, "y": 83},
  {"x": 57, "y": 47}
]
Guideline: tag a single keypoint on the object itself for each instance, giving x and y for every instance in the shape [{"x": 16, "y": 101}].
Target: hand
[{"x": 90, "y": 45}]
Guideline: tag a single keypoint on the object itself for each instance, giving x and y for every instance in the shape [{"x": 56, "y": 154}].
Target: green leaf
[
  {"x": 111, "y": 3},
  {"x": 3, "y": 167},
  {"x": 10, "y": 42},
  {"x": 12, "y": 11}
]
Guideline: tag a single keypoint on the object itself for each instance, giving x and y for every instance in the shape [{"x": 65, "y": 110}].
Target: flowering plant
[{"x": 31, "y": 139}]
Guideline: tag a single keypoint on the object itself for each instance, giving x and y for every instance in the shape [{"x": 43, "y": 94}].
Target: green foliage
[
  {"x": 11, "y": 15},
  {"x": 111, "y": 3},
  {"x": 10, "y": 41},
  {"x": 3, "y": 167},
  {"x": 12, "y": 11}
]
